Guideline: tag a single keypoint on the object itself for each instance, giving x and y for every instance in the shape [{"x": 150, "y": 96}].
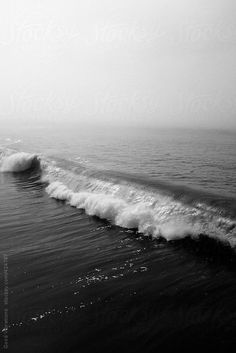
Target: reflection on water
[{"x": 79, "y": 284}]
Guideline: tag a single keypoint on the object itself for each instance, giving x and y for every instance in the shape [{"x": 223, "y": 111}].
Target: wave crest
[
  {"x": 18, "y": 162},
  {"x": 138, "y": 216}
]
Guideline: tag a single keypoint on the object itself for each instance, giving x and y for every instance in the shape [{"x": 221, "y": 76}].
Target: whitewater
[{"x": 154, "y": 212}]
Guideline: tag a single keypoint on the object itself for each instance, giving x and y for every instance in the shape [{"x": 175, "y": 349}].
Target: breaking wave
[
  {"x": 162, "y": 217},
  {"x": 18, "y": 162},
  {"x": 153, "y": 211}
]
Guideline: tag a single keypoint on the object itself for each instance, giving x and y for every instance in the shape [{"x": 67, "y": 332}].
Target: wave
[
  {"x": 154, "y": 210},
  {"x": 170, "y": 220},
  {"x": 18, "y": 162}
]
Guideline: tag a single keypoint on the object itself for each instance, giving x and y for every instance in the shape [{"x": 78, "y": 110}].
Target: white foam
[
  {"x": 17, "y": 162},
  {"x": 59, "y": 191},
  {"x": 131, "y": 205},
  {"x": 119, "y": 212}
]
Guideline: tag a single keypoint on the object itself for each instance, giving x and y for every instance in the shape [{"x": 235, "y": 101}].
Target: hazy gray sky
[{"x": 152, "y": 62}]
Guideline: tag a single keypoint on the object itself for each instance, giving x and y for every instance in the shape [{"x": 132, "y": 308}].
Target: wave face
[
  {"x": 153, "y": 211},
  {"x": 18, "y": 162}
]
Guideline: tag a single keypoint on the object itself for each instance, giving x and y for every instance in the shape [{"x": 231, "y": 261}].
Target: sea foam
[{"x": 121, "y": 213}]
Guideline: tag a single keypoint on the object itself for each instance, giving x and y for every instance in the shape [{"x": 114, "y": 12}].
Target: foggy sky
[{"x": 141, "y": 62}]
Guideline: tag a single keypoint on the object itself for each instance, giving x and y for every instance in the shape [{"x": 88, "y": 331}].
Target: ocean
[{"x": 117, "y": 239}]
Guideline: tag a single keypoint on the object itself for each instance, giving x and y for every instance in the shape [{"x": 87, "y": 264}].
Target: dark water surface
[{"x": 78, "y": 283}]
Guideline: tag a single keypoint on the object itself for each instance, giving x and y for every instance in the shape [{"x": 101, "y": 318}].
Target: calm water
[{"x": 143, "y": 261}]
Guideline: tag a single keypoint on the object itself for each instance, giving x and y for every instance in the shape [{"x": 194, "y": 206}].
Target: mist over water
[{"x": 158, "y": 63}]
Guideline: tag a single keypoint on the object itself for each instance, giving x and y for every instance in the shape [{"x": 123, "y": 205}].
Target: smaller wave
[{"x": 18, "y": 162}]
